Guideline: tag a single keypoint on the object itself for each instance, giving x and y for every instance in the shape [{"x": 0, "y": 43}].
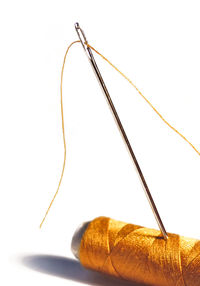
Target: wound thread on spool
[{"x": 138, "y": 254}]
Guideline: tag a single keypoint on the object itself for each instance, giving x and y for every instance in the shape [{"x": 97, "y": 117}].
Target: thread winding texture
[{"x": 140, "y": 254}]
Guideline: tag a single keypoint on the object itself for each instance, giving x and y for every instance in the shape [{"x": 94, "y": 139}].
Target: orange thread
[
  {"x": 140, "y": 254},
  {"x": 150, "y": 104},
  {"x": 63, "y": 132}
]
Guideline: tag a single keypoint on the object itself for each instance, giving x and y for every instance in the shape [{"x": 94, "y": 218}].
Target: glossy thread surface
[{"x": 140, "y": 254}]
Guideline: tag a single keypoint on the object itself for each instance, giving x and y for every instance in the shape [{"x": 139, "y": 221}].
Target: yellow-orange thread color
[
  {"x": 63, "y": 132},
  {"x": 62, "y": 116},
  {"x": 140, "y": 254},
  {"x": 150, "y": 104}
]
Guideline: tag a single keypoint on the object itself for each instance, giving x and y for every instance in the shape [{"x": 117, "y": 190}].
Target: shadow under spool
[{"x": 137, "y": 254}]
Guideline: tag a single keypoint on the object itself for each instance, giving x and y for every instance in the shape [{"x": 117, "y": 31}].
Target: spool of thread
[{"x": 137, "y": 253}]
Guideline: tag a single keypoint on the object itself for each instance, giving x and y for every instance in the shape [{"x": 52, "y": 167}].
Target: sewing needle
[{"x": 92, "y": 61}]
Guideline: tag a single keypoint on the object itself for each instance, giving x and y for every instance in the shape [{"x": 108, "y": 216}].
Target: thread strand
[
  {"x": 149, "y": 103},
  {"x": 63, "y": 132}
]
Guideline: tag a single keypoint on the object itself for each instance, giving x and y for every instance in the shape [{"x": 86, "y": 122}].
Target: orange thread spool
[{"x": 140, "y": 254}]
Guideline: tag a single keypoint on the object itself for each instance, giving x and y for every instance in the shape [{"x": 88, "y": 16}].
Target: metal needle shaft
[{"x": 92, "y": 61}]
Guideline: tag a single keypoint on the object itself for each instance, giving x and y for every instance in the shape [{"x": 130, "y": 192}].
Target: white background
[{"x": 155, "y": 43}]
